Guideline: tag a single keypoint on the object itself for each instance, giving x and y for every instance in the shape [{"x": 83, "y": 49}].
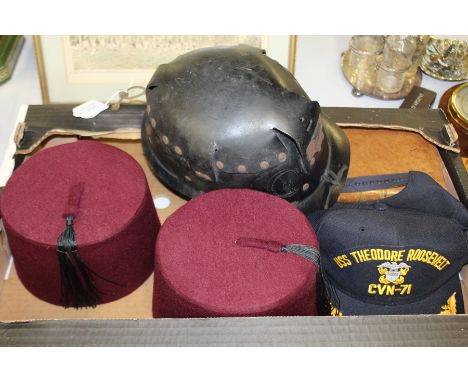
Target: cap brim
[{"x": 436, "y": 303}]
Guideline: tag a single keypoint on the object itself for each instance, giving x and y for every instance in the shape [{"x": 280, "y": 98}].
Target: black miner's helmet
[{"x": 231, "y": 117}]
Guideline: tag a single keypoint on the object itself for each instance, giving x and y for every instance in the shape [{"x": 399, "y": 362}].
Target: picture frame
[{"x": 75, "y": 69}]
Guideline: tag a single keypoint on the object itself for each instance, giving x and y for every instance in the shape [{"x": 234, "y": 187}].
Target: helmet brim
[{"x": 323, "y": 196}]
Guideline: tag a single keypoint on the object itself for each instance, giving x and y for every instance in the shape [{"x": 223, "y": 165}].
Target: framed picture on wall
[{"x": 83, "y": 67}]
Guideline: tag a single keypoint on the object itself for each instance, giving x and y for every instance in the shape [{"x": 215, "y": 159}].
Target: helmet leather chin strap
[{"x": 333, "y": 179}]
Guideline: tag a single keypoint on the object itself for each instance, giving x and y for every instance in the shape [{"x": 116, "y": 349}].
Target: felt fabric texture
[
  {"x": 115, "y": 219},
  {"x": 200, "y": 270}
]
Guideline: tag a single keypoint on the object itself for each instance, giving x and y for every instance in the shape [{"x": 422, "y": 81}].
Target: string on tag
[
  {"x": 131, "y": 92},
  {"x": 93, "y": 108}
]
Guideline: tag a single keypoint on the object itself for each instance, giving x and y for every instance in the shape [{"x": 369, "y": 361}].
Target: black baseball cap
[{"x": 398, "y": 255}]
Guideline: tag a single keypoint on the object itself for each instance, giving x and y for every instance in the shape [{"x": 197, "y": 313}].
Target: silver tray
[{"x": 371, "y": 90}]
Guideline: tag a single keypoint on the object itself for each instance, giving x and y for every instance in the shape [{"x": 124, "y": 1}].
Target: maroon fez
[
  {"x": 81, "y": 224},
  {"x": 235, "y": 252}
]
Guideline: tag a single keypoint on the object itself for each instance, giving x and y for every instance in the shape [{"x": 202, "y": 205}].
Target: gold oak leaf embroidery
[
  {"x": 451, "y": 307},
  {"x": 335, "y": 312}
]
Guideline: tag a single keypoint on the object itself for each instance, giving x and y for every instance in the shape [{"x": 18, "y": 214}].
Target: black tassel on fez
[
  {"x": 328, "y": 302},
  {"x": 78, "y": 289}
]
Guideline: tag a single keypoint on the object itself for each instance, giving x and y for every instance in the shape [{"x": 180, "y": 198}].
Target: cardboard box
[{"x": 26, "y": 320}]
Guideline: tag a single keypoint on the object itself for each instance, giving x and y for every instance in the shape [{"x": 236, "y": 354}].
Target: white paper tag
[{"x": 89, "y": 109}]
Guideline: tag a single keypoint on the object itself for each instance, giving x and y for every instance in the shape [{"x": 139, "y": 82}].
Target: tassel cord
[
  {"x": 327, "y": 296},
  {"x": 78, "y": 288}
]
